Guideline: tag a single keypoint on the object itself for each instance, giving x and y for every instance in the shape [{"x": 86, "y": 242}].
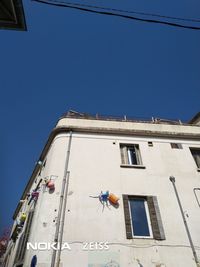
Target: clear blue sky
[{"x": 90, "y": 63}]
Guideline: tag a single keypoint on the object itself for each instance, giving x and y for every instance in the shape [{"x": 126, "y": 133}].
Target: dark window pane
[
  {"x": 176, "y": 145},
  {"x": 139, "y": 217},
  {"x": 150, "y": 143},
  {"x": 133, "y": 156},
  {"x": 196, "y": 156}
]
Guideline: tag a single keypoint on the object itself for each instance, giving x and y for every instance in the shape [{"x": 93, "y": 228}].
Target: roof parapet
[{"x": 80, "y": 115}]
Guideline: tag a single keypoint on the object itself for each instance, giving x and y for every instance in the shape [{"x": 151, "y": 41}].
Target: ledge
[
  {"x": 131, "y": 128},
  {"x": 133, "y": 166}
]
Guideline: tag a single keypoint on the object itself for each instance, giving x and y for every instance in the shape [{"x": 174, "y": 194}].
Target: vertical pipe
[
  {"x": 62, "y": 221},
  {"x": 172, "y": 179},
  {"x": 53, "y": 258}
]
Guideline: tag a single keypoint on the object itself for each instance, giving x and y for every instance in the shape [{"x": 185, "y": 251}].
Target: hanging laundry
[
  {"x": 34, "y": 261},
  {"x": 113, "y": 199},
  {"x": 104, "y": 196},
  {"x": 35, "y": 195},
  {"x": 22, "y": 218},
  {"x": 51, "y": 185}
]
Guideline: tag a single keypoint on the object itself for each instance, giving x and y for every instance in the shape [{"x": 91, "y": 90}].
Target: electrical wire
[
  {"x": 107, "y": 11},
  {"x": 126, "y": 11}
]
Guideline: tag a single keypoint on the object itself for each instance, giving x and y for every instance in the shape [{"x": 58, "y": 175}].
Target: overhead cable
[{"x": 109, "y": 11}]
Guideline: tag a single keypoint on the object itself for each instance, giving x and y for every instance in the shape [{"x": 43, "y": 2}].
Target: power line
[
  {"x": 125, "y": 11},
  {"x": 106, "y": 11}
]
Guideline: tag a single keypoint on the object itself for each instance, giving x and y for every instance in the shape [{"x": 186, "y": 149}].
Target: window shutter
[
  {"x": 127, "y": 217},
  {"x": 124, "y": 156},
  {"x": 155, "y": 217},
  {"x": 137, "y": 153}
]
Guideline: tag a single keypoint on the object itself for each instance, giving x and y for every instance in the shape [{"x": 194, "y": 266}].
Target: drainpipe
[
  {"x": 172, "y": 179},
  {"x": 62, "y": 221},
  {"x": 63, "y": 190}
]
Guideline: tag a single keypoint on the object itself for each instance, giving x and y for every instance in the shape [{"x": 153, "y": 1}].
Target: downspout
[
  {"x": 62, "y": 221},
  {"x": 63, "y": 190},
  {"x": 172, "y": 179}
]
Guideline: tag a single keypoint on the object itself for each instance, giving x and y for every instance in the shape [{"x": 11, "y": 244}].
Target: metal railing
[{"x": 79, "y": 115}]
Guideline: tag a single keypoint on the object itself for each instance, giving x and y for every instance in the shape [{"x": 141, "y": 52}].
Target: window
[
  {"x": 130, "y": 154},
  {"x": 139, "y": 217},
  {"x": 142, "y": 217},
  {"x": 150, "y": 143},
  {"x": 176, "y": 145},
  {"x": 196, "y": 155}
]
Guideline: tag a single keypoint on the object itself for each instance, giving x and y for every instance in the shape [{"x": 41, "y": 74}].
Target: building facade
[
  {"x": 12, "y": 15},
  {"x": 101, "y": 195}
]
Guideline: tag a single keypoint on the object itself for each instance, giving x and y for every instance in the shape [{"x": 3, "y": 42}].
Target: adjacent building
[
  {"x": 12, "y": 15},
  {"x": 111, "y": 192}
]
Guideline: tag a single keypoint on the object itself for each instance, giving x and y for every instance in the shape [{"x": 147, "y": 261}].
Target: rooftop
[{"x": 154, "y": 120}]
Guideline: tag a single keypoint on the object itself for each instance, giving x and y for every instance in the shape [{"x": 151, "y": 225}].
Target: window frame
[
  {"x": 147, "y": 215},
  {"x": 150, "y": 143},
  {"x": 176, "y": 146},
  {"x": 126, "y": 158},
  {"x": 155, "y": 217},
  {"x": 196, "y": 163}
]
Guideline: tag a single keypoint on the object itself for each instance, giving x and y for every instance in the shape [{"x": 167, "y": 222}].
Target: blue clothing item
[
  {"x": 104, "y": 196},
  {"x": 34, "y": 261}
]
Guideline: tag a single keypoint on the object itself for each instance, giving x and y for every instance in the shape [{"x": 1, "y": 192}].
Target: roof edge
[{"x": 195, "y": 118}]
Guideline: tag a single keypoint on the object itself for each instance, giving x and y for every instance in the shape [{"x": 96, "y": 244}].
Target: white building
[{"x": 134, "y": 160}]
